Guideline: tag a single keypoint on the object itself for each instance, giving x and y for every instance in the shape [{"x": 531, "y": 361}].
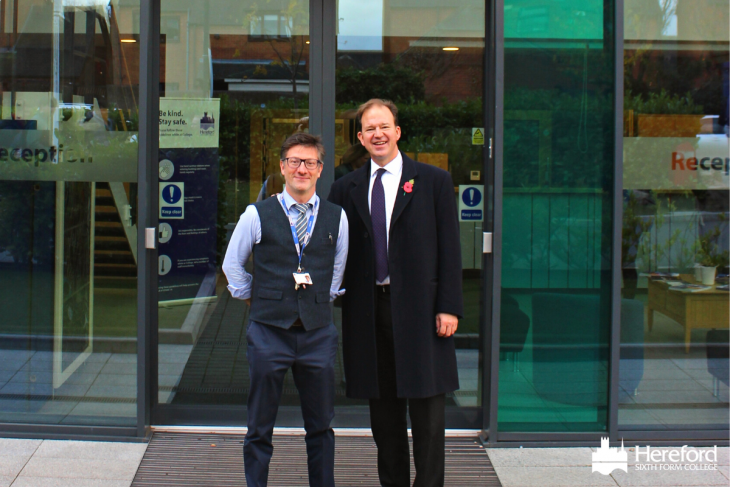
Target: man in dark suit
[{"x": 403, "y": 281}]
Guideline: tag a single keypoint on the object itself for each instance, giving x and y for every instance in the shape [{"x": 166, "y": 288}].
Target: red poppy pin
[{"x": 408, "y": 186}]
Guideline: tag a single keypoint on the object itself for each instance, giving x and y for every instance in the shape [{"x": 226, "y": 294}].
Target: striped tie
[{"x": 301, "y": 224}]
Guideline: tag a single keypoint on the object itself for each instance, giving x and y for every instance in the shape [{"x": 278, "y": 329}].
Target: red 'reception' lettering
[{"x": 679, "y": 162}]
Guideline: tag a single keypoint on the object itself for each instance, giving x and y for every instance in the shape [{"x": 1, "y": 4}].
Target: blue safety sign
[
  {"x": 172, "y": 200},
  {"x": 471, "y": 203}
]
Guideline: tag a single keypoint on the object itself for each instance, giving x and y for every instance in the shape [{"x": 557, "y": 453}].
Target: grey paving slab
[
  {"x": 115, "y": 380},
  {"x": 80, "y": 468},
  {"x": 701, "y": 396},
  {"x": 168, "y": 380},
  {"x": 123, "y": 358},
  {"x": 107, "y": 391},
  {"x": 540, "y": 457},
  {"x": 672, "y": 478},
  {"x": 723, "y": 456},
  {"x": 6, "y": 375},
  {"x": 725, "y": 470},
  {"x": 6, "y": 481},
  {"x": 98, "y": 357},
  {"x": 171, "y": 369},
  {"x": 11, "y": 447},
  {"x": 91, "y": 450},
  {"x": 670, "y": 385},
  {"x": 49, "y": 482},
  {"x": 105, "y": 409},
  {"x": 552, "y": 477},
  {"x": 129, "y": 369},
  {"x": 12, "y": 465}
]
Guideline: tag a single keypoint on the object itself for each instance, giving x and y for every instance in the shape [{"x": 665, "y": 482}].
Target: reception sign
[{"x": 700, "y": 162}]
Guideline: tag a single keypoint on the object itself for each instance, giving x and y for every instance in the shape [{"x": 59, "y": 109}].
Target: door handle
[
  {"x": 150, "y": 238},
  {"x": 487, "y": 242}
]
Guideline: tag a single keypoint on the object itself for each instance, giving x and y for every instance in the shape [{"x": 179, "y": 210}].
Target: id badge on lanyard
[{"x": 300, "y": 278}]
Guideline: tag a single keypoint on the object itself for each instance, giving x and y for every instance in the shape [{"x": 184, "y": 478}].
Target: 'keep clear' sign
[{"x": 471, "y": 203}]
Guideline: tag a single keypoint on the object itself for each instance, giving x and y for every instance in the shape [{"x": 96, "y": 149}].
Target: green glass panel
[
  {"x": 567, "y": 19},
  {"x": 558, "y": 179}
]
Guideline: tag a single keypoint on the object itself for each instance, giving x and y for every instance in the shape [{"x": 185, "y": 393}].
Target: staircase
[{"x": 115, "y": 266}]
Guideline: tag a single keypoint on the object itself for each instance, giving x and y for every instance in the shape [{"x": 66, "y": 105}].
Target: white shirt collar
[
  {"x": 393, "y": 167},
  {"x": 289, "y": 201}
]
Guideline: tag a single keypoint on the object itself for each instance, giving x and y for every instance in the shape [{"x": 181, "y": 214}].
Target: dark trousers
[
  {"x": 389, "y": 422},
  {"x": 311, "y": 356}
]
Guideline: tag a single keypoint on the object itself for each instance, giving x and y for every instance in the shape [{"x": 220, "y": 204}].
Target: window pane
[
  {"x": 229, "y": 99},
  {"x": 556, "y": 240},
  {"x": 674, "y": 339},
  {"x": 68, "y": 205}
]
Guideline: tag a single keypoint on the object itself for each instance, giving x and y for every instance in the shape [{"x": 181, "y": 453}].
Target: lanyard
[{"x": 307, "y": 236}]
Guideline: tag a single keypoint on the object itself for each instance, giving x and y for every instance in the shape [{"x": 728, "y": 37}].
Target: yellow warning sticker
[{"x": 477, "y": 136}]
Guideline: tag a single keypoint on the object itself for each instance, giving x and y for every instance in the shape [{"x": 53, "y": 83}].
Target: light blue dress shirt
[{"x": 248, "y": 233}]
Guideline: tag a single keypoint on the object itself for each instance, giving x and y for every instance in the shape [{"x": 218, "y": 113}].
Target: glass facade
[
  {"x": 557, "y": 223},
  {"x": 235, "y": 82},
  {"x": 674, "y": 248},
  {"x": 68, "y": 231}
]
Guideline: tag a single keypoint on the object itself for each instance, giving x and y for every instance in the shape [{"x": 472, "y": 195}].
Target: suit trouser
[
  {"x": 389, "y": 422},
  {"x": 311, "y": 356}
]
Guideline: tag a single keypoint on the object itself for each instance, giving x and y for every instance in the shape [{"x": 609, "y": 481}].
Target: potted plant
[{"x": 710, "y": 255}]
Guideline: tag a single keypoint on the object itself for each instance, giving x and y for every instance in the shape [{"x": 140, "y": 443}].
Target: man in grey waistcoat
[{"x": 299, "y": 247}]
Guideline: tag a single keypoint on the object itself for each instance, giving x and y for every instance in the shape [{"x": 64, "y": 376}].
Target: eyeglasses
[{"x": 295, "y": 162}]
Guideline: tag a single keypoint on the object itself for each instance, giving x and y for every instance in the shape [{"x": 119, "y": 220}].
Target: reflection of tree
[
  {"x": 651, "y": 67},
  {"x": 388, "y": 81},
  {"x": 288, "y": 46},
  {"x": 647, "y": 19}
]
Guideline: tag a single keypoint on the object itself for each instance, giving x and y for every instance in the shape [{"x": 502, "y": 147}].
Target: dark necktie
[{"x": 380, "y": 230}]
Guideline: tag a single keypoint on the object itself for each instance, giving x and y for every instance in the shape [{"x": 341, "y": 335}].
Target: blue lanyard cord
[{"x": 307, "y": 236}]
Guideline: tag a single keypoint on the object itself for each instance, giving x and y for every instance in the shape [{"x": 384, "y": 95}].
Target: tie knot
[
  {"x": 380, "y": 173},
  {"x": 302, "y": 208}
]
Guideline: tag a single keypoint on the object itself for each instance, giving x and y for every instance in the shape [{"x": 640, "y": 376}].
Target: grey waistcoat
[{"x": 274, "y": 300}]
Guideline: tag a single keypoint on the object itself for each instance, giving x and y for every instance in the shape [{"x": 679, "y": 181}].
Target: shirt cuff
[
  {"x": 335, "y": 294},
  {"x": 240, "y": 293}
]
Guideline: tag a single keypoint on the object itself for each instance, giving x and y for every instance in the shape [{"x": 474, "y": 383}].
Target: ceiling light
[
  {"x": 128, "y": 40},
  {"x": 450, "y": 48},
  {"x": 307, "y": 42}
]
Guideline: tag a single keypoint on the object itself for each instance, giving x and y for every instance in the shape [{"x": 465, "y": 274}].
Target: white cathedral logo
[{"x": 606, "y": 459}]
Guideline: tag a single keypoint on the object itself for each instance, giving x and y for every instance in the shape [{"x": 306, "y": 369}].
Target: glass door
[
  {"x": 234, "y": 83},
  {"x": 429, "y": 59}
]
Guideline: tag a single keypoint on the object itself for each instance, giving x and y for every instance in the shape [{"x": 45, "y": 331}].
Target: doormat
[{"x": 206, "y": 460}]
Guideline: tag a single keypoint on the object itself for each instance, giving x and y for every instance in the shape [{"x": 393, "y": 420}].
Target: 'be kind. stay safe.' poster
[{"x": 188, "y": 176}]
